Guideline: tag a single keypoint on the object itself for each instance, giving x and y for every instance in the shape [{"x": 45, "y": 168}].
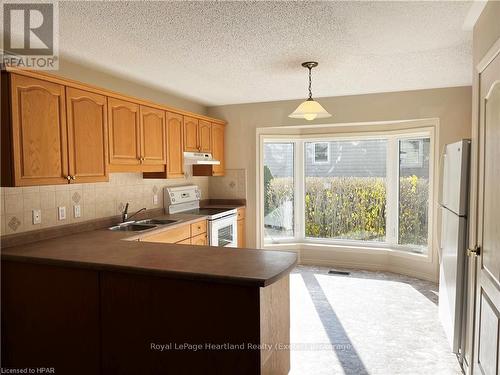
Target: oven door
[{"x": 223, "y": 231}]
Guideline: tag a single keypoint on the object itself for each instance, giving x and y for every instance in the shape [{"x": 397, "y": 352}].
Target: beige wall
[
  {"x": 451, "y": 105},
  {"x": 98, "y": 76}
]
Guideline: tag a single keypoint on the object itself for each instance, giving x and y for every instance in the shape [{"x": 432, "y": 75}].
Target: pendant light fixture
[{"x": 310, "y": 109}]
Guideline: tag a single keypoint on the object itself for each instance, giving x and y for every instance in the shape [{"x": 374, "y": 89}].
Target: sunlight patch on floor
[{"x": 384, "y": 323}]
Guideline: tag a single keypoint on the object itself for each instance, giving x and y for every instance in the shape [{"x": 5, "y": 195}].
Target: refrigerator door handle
[{"x": 442, "y": 178}]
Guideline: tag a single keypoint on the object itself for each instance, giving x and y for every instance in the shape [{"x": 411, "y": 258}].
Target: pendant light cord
[{"x": 310, "y": 89}]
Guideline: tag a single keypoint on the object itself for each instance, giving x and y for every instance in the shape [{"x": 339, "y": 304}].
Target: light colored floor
[{"x": 374, "y": 323}]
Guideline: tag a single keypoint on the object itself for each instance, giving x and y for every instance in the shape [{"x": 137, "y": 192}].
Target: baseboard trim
[{"x": 367, "y": 266}]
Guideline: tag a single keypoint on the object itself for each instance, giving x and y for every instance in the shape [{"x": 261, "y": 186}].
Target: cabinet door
[
  {"x": 38, "y": 132},
  {"x": 191, "y": 143},
  {"x": 87, "y": 135},
  {"x": 218, "y": 149},
  {"x": 173, "y": 235},
  {"x": 200, "y": 240},
  {"x": 124, "y": 133},
  {"x": 175, "y": 156},
  {"x": 153, "y": 147},
  {"x": 241, "y": 233},
  {"x": 205, "y": 130}
]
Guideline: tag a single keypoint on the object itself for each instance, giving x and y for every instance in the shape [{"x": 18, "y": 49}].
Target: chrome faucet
[{"x": 125, "y": 216}]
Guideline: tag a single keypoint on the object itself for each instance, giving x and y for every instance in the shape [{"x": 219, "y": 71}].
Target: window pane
[
  {"x": 278, "y": 191},
  {"x": 414, "y": 193},
  {"x": 321, "y": 152},
  {"x": 345, "y": 198}
]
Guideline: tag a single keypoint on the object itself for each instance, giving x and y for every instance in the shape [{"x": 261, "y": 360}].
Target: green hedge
[{"x": 355, "y": 207}]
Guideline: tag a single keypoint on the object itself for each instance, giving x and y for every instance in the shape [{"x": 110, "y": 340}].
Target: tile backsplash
[
  {"x": 96, "y": 200},
  {"x": 231, "y": 186}
]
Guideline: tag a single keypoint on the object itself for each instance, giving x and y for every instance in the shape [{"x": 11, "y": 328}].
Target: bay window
[{"x": 361, "y": 190}]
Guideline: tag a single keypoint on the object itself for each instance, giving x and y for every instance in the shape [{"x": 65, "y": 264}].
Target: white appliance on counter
[
  {"x": 452, "y": 267},
  {"x": 222, "y": 222}
]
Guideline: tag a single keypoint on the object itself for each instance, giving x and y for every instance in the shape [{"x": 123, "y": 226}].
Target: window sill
[{"x": 349, "y": 248}]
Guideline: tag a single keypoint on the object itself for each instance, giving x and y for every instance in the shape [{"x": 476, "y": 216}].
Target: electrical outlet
[
  {"x": 77, "y": 211},
  {"x": 155, "y": 198},
  {"x": 37, "y": 216},
  {"x": 61, "y": 213}
]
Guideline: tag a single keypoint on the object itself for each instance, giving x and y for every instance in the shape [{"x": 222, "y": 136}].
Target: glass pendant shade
[{"x": 310, "y": 110}]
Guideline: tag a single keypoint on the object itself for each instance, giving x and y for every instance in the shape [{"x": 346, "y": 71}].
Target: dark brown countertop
[{"x": 103, "y": 249}]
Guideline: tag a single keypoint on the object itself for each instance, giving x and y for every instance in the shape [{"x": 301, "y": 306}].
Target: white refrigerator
[{"x": 453, "y": 243}]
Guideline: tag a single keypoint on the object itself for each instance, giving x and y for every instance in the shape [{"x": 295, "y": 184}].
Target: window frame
[
  {"x": 392, "y": 177},
  {"x": 327, "y": 161}
]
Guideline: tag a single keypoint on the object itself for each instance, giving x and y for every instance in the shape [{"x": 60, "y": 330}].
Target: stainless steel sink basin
[
  {"x": 157, "y": 221},
  {"x": 133, "y": 227}
]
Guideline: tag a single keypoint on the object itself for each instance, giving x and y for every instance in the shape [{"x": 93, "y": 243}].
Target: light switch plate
[
  {"x": 37, "y": 216},
  {"x": 61, "y": 213},
  {"x": 77, "y": 211},
  {"x": 155, "y": 198}
]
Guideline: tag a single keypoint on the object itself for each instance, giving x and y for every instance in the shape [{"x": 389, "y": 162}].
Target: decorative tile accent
[
  {"x": 121, "y": 207},
  {"x": 155, "y": 189},
  {"x": 76, "y": 197},
  {"x": 14, "y": 223},
  {"x": 232, "y": 184}
]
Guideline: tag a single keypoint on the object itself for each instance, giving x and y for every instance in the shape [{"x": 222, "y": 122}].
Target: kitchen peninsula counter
[{"x": 100, "y": 301}]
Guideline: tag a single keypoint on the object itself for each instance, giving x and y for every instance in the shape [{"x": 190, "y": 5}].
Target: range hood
[{"x": 199, "y": 158}]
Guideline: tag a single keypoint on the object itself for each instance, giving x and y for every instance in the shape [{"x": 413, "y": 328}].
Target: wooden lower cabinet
[
  {"x": 187, "y": 234},
  {"x": 241, "y": 212},
  {"x": 241, "y": 233},
  {"x": 200, "y": 240}
]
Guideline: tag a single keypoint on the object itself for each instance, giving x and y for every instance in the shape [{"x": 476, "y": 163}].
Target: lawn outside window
[{"x": 366, "y": 190}]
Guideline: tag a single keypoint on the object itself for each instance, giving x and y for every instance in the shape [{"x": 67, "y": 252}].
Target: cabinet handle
[
  {"x": 73, "y": 178},
  {"x": 68, "y": 178}
]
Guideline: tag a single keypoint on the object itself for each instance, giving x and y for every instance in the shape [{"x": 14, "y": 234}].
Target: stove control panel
[{"x": 182, "y": 195}]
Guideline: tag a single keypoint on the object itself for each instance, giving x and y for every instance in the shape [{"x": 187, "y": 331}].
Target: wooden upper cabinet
[
  {"x": 218, "y": 149},
  {"x": 39, "y": 144},
  {"x": 175, "y": 148},
  {"x": 87, "y": 135},
  {"x": 205, "y": 135},
  {"x": 191, "y": 136},
  {"x": 124, "y": 132},
  {"x": 153, "y": 136}
]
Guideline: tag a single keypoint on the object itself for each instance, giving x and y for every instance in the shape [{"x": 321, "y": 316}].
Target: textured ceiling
[{"x": 239, "y": 52}]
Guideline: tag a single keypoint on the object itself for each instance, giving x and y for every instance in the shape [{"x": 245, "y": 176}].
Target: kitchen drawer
[
  {"x": 241, "y": 213},
  {"x": 200, "y": 240},
  {"x": 170, "y": 235},
  {"x": 198, "y": 228}
]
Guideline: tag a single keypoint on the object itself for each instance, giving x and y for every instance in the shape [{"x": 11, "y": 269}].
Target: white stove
[{"x": 222, "y": 222}]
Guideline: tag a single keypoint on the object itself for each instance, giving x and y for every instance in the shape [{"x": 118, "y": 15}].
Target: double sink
[{"x": 141, "y": 225}]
